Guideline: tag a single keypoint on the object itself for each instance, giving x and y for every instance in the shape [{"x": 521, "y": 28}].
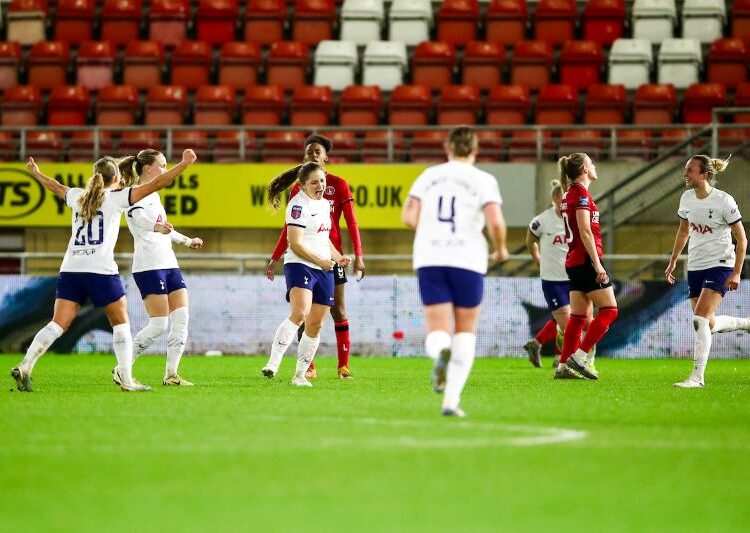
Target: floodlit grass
[{"x": 240, "y": 452}]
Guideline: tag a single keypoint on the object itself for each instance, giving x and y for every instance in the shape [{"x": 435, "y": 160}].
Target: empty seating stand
[
  {"x": 335, "y": 64},
  {"x": 168, "y": 21},
  {"x": 311, "y": 105},
  {"x": 654, "y": 20},
  {"x": 604, "y": 21},
  {"x": 605, "y": 104},
  {"x": 630, "y": 62},
  {"x": 73, "y": 20},
  {"x": 48, "y": 64},
  {"x": 508, "y": 105},
  {"x": 238, "y": 64},
  {"x": 165, "y": 105},
  {"x": 312, "y": 21},
  {"x": 680, "y": 62},
  {"x": 263, "y": 105},
  {"x": 121, "y": 21},
  {"x": 264, "y": 21},
  {"x": 191, "y": 61},
  {"x": 142, "y": 63},
  {"x": 728, "y": 61},
  {"x": 287, "y": 64},
  {"x": 555, "y": 21},
  {"x": 703, "y": 19},
  {"x": 700, "y": 99},
  {"x": 410, "y": 105},
  {"x": 432, "y": 64},
  {"x": 95, "y": 64},
  {"x": 482, "y": 64},
  {"x": 26, "y": 21},
  {"x": 458, "y": 104},
  {"x": 740, "y": 19},
  {"x": 10, "y": 61},
  {"x": 409, "y": 21},
  {"x": 506, "y": 21},
  {"x": 360, "y": 105},
  {"x": 581, "y": 63},
  {"x": 68, "y": 106},
  {"x": 216, "y": 20},
  {"x": 20, "y": 106},
  {"x": 457, "y": 21},
  {"x": 531, "y": 64},
  {"x": 384, "y": 64},
  {"x": 362, "y": 21},
  {"x": 215, "y": 105},
  {"x": 117, "y": 105}
]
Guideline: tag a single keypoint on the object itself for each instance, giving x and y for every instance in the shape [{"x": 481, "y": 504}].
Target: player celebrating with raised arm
[
  {"x": 339, "y": 196},
  {"x": 708, "y": 220},
  {"x": 449, "y": 205},
  {"x": 89, "y": 269},
  {"x": 155, "y": 267},
  {"x": 308, "y": 265},
  {"x": 589, "y": 282}
]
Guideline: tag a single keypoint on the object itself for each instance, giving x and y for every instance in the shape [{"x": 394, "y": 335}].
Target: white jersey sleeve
[
  {"x": 710, "y": 220},
  {"x": 314, "y": 217},
  {"x": 153, "y": 251},
  {"x": 731, "y": 211}
]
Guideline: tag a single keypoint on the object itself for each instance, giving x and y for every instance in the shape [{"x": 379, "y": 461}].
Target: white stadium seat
[
  {"x": 362, "y": 21},
  {"x": 630, "y": 62},
  {"x": 703, "y": 19},
  {"x": 335, "y": 64},
  {"x": 680, "y": 62},
  {"x": 409, "y": 21},
  {"x": 384, "y": 64},
  {"x": 654, "y": 20}
]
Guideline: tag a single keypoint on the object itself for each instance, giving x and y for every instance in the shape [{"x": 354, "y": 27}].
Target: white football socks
[
  {"x": 463, "y": 350},
  {"x": 41, "y": 343},
  {"x": 436, "y": 342},
  {"x": 701, "y": 347},
  {"x": 281, "y": 341},
  {"x": 148, "y": 335},
  {"x": 122, "y": 343},
  {"x": 176, "y": 339},
  {"x": 724, "y": 323},
  {"x": 306, "y": 352}
]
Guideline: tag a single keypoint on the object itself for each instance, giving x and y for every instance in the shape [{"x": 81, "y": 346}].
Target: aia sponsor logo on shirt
[
  {"x": 296, "y": 211},
  {"x": 700, "y": 228},
  {"x": 559, "y": 239},
  {"x": 324, "y": 228}
]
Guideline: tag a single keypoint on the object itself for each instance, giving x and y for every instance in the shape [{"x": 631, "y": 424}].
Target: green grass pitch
[{"x": 239, "y": 452}]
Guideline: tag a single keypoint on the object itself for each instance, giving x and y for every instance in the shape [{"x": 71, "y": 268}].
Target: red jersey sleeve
[
  {"x": 353, "y": 227},
  {"x": 281, "y": 245}
]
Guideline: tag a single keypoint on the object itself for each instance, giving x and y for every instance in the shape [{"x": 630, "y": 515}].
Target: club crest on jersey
[
  {"x": 296, "y": 211},
  {"x": 330, "y": 190},
  {"x": 583, "y": 201},
  {"x": 710, "y": 213}
]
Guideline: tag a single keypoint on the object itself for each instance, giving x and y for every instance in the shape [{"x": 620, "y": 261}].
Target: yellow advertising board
[{"x": 211, "y": 195}]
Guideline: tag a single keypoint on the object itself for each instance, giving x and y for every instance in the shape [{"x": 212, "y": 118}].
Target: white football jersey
[
  {"x": 710, "y": 243},
  {"x": 451, "y": 218},
  {"x": 153, "y": 251},
  {"x": 314, "y": 216},
  {"x": 549, "y": 228},
  {"x": 92, "y": 244}
]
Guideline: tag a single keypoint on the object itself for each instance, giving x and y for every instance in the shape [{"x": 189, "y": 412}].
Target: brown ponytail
[
  {"x": 279, "y": 184},
  {"x": 131, "y": 167},
  {"x": 105, "y": 172},
  {"x": 571, "y": 166}
]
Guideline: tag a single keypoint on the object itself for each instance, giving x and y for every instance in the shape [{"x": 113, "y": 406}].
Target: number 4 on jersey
[{"x": 451, "y": 219}]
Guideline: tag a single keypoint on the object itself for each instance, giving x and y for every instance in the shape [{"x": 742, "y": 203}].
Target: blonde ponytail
[
  {"x": 711, "y": 166},
  {"x": 556, "y": 188},
  {"x": 105, "y": 172}
]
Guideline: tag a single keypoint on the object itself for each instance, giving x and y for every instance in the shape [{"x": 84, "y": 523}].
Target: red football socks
[
  {"x": 572, "y": 336},
  {"x": 343, "y": 344},
  {"x": 598, "y": 327},
  {"x": 547, "y": 333}
]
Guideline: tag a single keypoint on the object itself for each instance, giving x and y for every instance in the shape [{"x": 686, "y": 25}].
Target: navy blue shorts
[
  {"x": 312, "y": 279},
  {"x": 461, "y": 287},
  {"x": 162, "y": 281},
  {"x": 556, "y": 293},
  {"x": 711, "y": 278},
  {"x": 103, "y": 289}
]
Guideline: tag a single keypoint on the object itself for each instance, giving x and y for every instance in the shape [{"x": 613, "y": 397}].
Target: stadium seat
[
  {"x": 215, "y": 105},
  {"x": 26, "y": 21},
  {"x": 427, "y": 147},
  {"x": 360, "y": 105},
  {"x": 346, "y": 147},
  {"x": 192, "y": 138},
  {"x": 375, "y": 147},
  {"x": 264, "y": 21},
  {"x": 433, "y": 63},
  {"x": 335, "y": 64},
  {"x": 81, "y": 147},
  {"x": 409, "y": 21},
  {"x": 142, "y": 64},
  {"x": 191, "y": 64},
  {"x": 728, "y": 60},
  {"x": 287, "y": 64},
  {"x": 10, "y": 62},
  {"x": 283, "y": 146},
  {"x": 44, "y": 145},
  {"x": 654, "y": 104},
  {"x": 165, "y": 105},
  {"x": 458, "y": 104},
  {"x": 228, "y": 146},
  {"x": 742, "y": 99},
  {"x": 483, "y": 64},
  {"x": 740, "y": 19},
  {"x": 312, "y": 21},
  {"x": 20, "y": 105},
  {"x": 680, "y": 62},
  {"x": 531, "y": 64},
  {"x": 410, "y": 105},
  {"x": 362, "y": 21},
  {"x": 630, "y": 62},
  {"x": 48, "y": 64},
  {"x": 121, "y": 21},
  {"x": 703, "y": 19},
  {"x": 557, "y": 104},
  {"x": 263, "y": 105},
  {"x": 654, "y": 20},
  {"x": 215, "y": 21},
  {"x": 95, "y": 64},
  {"x": 605, "y": 104},
  {"x": 700, "y": 99},
  {"x": 384, "y": 64},
  {"x": 133, "y": 141},
  {"x": 311, "y": 105},
  {"x": 168, "y": 21},
  {"x": 554, "y": 21},
  {"x": 117, "y": 105},
  {"x": 73, "y": 21},
  {"x": 238, "y": 64},
  {"x": 7, "y": 147},
  {"x": 457, "y": 21},
  {"x": 603, "y": 21},
  {"x": 506, "y": 21},
  {"x": 68, "y": 106},
  {"x": 508, "y": 105},
  {"x": 581, "y": 63}
]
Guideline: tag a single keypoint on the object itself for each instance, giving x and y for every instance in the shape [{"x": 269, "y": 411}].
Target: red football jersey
[{"x": 578, "y": 197}]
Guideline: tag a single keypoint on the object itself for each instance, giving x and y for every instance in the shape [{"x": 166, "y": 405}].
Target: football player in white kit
[
  {"x": 449, "y": 205},
  {"x": 308, "y": 267},
  {"x": 708, "y": 220},
  {"x": 155, "y": 267},
  {"x": 88, "y": 269}
]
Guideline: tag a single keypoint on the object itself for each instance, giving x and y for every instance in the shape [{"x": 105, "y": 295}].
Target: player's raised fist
[
  {"x": 189, "y": 157},
  {"x": 31, "y": 166}
]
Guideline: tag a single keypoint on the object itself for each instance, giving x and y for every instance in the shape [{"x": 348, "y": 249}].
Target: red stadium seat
[
  {"x": 121, "y": 21},
  {"x": 10, "y": 61},
  {"x": 26, "y": 21},
  {"x": 312, "y": 21},
  {"x": 483, "y": 64},
  {"x": 215, "y": 105},
  {"x": 168, "y": 21},
  {"x": 605, "y": 104},
  {"x": 458, "y": 104},
  {"x": 432, "y": 64},
  {"x": 264, "y": 21},
  {"x": 740, "y": 19},
  {"x": 506, "y": 21},
  {"x": 216, "y": 20},
  {"x": 191, "y": 62},
  {"x": 7, "y": 147},
  {"x": 557, "y": 104},
  {"x": 68, "y": 106},
  {"x": 73, "y": 20},
  {"x": 263, "y": 105},
  {"x": 194, "y": 139},
  {"x": 581, "y": 63},
  {"x": 508, "y": 105},
  {"x": 654, "y": 104},
  {"x": 283, "y": 146},
  {"x": 165, "y": 105},
  {"x": 117, "y": 105},
  {"x": 742, "y": 99},
  {"x": 44, "y": 145},
  {"x": 603, "y": 21},
  {"x": 700, "y": 99},
  {"x": 142, "y": 64},
  {"x": 531, "y": 64},
  {"x": 360, "y": 105},
  {"x": 375, "y": 147},
  {"x": 427, "y": 147},
  {"x": 132, "y": 142},
  {"x": 95, "y": 64},
  {"x": 345, "y": 144},
  {"x": 238, "y": 64},
  {"x": 410, "y": 105},
  {"x": 81, "y": 146},
  {"x": 457, "y": 21},
  {"x": 728, "y": 60},
  {"x": 311, "y": 106},
  {"x": 287, "y": 64},
  {"x": 555, "y": 21},
  {"x": 20, "y": 106},
  {"x": 590, "y": 142},
  {"x": 228, "y": 146},
  {"x": 48, "y": 64}
]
